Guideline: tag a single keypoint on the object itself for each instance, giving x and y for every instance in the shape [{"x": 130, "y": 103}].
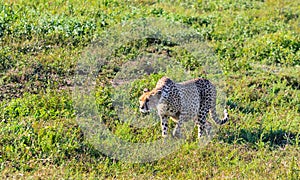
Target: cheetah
[{"x": 189, "y": 100}]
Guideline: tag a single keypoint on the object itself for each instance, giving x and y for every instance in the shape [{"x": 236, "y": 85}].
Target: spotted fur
[{"x": 189, "y": 100}]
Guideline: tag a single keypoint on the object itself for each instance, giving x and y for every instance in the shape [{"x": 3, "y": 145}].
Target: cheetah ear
[{"x": 146, "y": 90}]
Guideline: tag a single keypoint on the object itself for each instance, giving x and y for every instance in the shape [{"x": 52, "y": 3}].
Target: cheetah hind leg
[
  {"x": 203, "y": 125},
  {"x": 206, "y": 128}
]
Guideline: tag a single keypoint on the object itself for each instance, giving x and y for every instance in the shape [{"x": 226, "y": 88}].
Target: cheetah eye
[{"x": 159, "y": 92}]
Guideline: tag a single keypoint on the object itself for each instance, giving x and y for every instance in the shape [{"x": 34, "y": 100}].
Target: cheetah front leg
[
  {"x": 177, "y": 129},
  {"x": 164, "y": 126}
]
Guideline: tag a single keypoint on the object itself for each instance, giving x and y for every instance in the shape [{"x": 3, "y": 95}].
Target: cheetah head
[{"x": 149, "y": 100}]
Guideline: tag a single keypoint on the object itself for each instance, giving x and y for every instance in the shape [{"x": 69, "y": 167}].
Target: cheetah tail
[{"x": 215, "y": 116}]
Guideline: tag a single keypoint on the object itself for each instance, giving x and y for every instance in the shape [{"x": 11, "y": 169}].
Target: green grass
[{"x": 256, "y": 43}]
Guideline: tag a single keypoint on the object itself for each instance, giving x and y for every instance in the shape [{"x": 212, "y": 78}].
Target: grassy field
[{"x": 256, "y": 44}]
